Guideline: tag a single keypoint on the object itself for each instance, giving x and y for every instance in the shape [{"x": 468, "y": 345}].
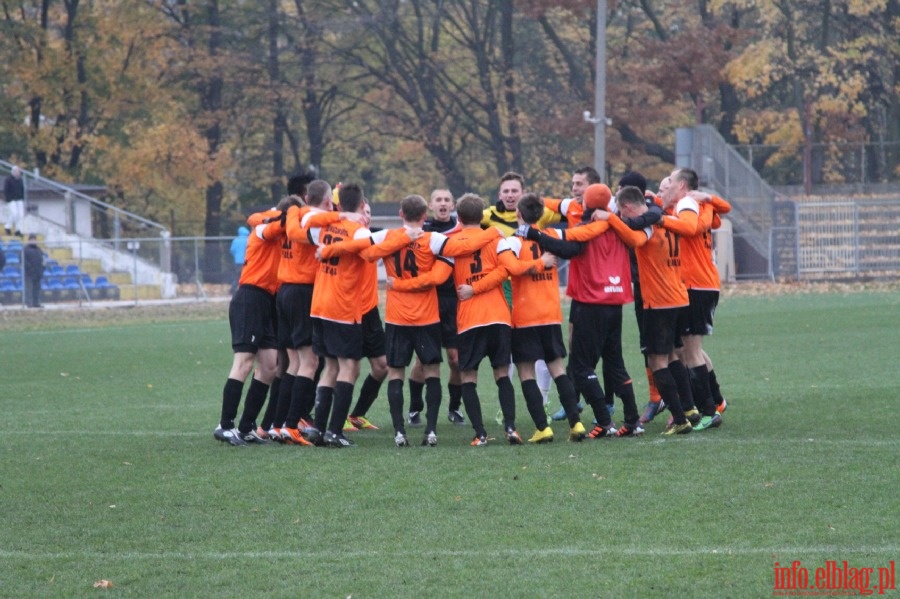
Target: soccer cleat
[
  {"x": 275, "y": 434},
  {"x": 456, "y": 417},
  {"x": 600, "y": 431},
  {"x": 293, "y": 436},
  {"x": 263, "y": 433},
  {"x": 400, "y": 440},
  {"x": 577, "y": 432},
  {"x": 430, "y": 439},
  {"x": 561, "y": 413},
  {"x": 678, "y": 429},
  {"x": 544, "y": 436},
  {"x": 305, "y": 425},
  {"x": 704, "y": 423},
  {"x": 332, "y": 440},
  {"x": 722, "y": 406},
  {"x": 361, "y": 422},
  {"x": 314, "y": 436},
  {"x": 479, "y": 441},
  {"x": 349, "y": 427},
  {"x": 716, "y": 421},
  {"x": 230, "y": 436},
  {"x": 253, "y": 438},
  {"x": 630, "y": 430},
  {"x": 414, "y": 419},
  {"x": 513, "y": 437},
  {"x": 650, "y": 412},
  {"x": 693, "y": 416}
]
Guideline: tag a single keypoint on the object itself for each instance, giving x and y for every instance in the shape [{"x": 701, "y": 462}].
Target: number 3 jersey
[{"x": 488, "y": 305}]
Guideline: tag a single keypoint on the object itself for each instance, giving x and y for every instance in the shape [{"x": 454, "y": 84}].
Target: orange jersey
[
  {"x": 570, "y": 208},
  {"x": 339, "y": 293},
  {"x": 480, "y": 269},
  {"x": 535, "y": 296},
  {"x": 298, "y": 259},
  {"x": 263, "y": 256},
  {"x": 415, "y": 259},
  {"x": 659, "y": 261},
  {"x": 698, "y": 271}
]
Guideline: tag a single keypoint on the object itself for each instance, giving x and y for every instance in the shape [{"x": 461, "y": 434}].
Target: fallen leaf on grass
[{"x": 103, "y": 584}]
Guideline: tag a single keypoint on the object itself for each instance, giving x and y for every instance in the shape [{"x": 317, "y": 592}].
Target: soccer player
[
  {"x": 503, "y": 214},
  {"x": 692, "y": 221},
  {"x": 665, "y": 299},
  {"x": 412, "y": 317},
  {"x": 298, "y": 273},
  {"x": 345, "y": 328},
  {"x": 599, "y": 285},
  {"x": 536, "y": 320},
  {"x": 483, "y": 321},
  {"x": 251, "y": 315},
  {"x": 441, "y": 205}
]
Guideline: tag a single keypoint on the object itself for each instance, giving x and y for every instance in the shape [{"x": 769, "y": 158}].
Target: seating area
[{"x": 61, "y": 282}]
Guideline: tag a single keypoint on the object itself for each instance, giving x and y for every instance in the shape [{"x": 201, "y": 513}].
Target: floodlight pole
[{"x": 599, "y": 119}]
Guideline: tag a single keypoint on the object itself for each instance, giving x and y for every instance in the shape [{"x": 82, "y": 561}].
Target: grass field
[{"x": 109, "y": 471}]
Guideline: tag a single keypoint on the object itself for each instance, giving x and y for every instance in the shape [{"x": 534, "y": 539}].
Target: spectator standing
[
  {"x": 33, "y": 257},
  {"x": 238, "y": 251},
  {"x": 14, "y": 193}
]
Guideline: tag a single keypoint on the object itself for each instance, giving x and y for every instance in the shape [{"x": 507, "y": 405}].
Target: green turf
[{"x": 109, "y": 471}]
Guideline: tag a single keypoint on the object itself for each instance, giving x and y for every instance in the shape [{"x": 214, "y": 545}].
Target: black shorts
[
  {"x": 294, "y": 323},
  {"x": 251, "y": 315},
  {"x": 373, "y": 334},
  {"x": 545, "y": 342},
  {"x": 596, "y": 334},
  {"x": 662, "y": 326},
  {"x": 337, "y": 339},
  {"x": 402, "y": 341},
  {"x": 491, "y": 341},
  {"x": 639, "y": 314},
  {"x": 701, "y": 312},
  {"x": 447, "y": 310}
]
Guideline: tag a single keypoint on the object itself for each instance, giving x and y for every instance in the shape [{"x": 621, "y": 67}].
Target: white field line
[{"x": 330, "y": 555}]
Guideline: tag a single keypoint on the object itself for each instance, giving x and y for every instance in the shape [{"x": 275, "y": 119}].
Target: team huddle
[{"x": 482, "y": 284}]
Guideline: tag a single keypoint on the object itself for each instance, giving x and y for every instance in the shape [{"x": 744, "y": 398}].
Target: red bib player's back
[{"x": 483, "y": 308}]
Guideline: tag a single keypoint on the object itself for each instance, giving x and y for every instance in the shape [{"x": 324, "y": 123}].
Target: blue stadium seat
[
  {"x": 101, "y": 281},
  {"x": 72, "y": 269},
  {"x": 12, "y": 258},
  {"x": 7, "y": 285},
  {"x": 71, "y": 282},
  {"x": 11, "y": 271},
  {"x": 57, "y": 270},
  {"x": 14, "y": 245},
  {"x": 86, "y": 280},
  {"x": 54, "y": 283},
  {"x": 49, "y": 263}
]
